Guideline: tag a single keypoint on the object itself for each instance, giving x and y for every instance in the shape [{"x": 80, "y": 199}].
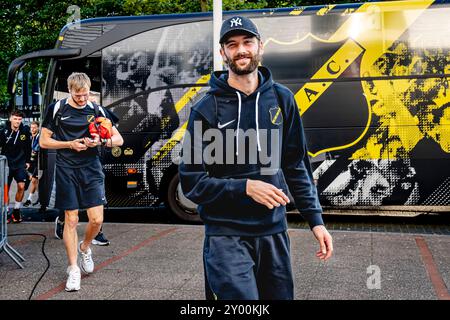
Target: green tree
[{"x": 31, "y": 25}]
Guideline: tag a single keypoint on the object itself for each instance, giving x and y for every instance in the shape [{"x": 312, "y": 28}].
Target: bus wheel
[{"x": 181, "y": 207}]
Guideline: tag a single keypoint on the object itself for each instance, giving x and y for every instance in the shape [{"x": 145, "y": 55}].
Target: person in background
[
  {"x": 16, "y": 146},
  {"x": 33, "y": 169}
]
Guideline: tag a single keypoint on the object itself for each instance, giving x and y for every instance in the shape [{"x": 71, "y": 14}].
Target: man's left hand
[
  {"x": 92, "y": 143},
  {"x": 325, "y": 241}
]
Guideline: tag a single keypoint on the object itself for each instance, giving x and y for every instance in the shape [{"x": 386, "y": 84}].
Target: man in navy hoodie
[{"x": 240, "y": 180}]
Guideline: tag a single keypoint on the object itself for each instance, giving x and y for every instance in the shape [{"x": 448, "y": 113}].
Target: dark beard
[{"x": 254, "y": 62}]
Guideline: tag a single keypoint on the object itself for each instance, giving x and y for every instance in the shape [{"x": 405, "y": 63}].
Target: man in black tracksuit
[
  {"x": 241, "y": 195},
  {"x": 16, "y": 146}
]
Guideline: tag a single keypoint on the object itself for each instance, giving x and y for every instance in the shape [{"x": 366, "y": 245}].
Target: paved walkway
[{"x": 164, "y": 262}]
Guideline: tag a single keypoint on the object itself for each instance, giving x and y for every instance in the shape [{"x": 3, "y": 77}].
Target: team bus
[{"x": 371, "y": 81}]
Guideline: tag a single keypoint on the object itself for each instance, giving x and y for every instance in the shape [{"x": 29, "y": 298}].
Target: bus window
[
  {"x": 150, "y": 82},
  {"x": 90, "y": 65},
  {"x": 155, "y": 61}
]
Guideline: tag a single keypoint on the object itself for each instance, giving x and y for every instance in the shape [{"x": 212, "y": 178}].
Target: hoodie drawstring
[
  {"x": 257, "y": 121},
  {"x": 17, "y": 135},
  {"x": 239, "y": 121},
  {"x": 15, "y": 139}
]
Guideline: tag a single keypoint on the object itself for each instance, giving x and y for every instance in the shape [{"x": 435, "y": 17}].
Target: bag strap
[
  {"x": 58, "y": 110},
  {"x": 96, "y": 108},
  {"x": 60, "y": 107}
]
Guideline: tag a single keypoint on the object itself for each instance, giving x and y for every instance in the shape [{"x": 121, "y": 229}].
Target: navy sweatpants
[{"x": 248, "y": 268}]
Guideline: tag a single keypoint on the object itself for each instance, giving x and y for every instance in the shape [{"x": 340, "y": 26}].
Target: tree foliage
[{"x": 31, "y": 25}]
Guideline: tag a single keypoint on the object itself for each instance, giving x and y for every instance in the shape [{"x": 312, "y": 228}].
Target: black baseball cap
[{"x": 236, "y": 25}]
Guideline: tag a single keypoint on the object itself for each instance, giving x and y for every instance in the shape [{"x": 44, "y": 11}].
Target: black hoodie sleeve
[
  {"x": 295, "y": 163},
  {"x": 196, "y": 184}
]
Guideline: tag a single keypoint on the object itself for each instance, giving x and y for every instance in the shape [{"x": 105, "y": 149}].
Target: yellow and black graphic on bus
[
  {"x": 397, "y": 44},
  {"x": 375, "y": 101},
  {"x": 317, "y": 96},
  {"x": 370, "y": 42}
]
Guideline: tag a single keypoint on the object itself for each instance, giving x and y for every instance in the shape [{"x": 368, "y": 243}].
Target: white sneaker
[
  {"x": 86, "y": 262},
  {"x": 74, "y": 279}
]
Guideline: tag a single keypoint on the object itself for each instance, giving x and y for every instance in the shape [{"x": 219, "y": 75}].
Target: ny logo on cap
[{"x": 236, "y": 22}]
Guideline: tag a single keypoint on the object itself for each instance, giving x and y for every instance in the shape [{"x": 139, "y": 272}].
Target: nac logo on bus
[{"x": 319, "y": 87}]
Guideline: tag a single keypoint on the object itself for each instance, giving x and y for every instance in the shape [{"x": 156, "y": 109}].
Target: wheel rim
[{"x": 184, "y": 203}]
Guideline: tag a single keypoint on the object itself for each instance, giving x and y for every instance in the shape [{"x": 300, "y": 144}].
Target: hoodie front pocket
[
  {"x": 251, "y": 205},
  {"x": 243, "y": 210}
]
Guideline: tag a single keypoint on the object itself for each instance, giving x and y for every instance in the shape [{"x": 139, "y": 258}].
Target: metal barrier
[{"x": 4, "y": 245}]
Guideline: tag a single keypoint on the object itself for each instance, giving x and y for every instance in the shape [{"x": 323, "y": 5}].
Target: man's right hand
[
  {"x": 77, "y": 145},
  {"x": 266, "y": 194}
]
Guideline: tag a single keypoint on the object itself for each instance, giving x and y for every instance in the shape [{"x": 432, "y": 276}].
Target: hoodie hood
[
  {"x": 13, "y": 135},
  {"x": 219, "y": 86},
  {"x": 219, "y": 82}
]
